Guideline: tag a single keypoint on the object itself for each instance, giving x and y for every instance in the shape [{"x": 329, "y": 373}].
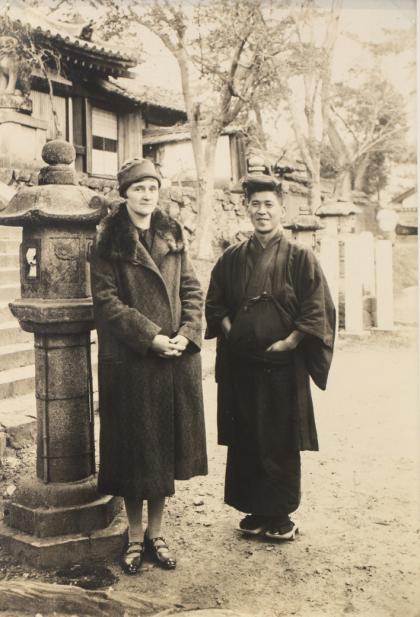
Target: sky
[{"x": 366, "y": 18}]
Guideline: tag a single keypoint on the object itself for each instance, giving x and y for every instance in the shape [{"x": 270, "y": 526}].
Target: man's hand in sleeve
[
  {"x": 287, "y": 344},
  {"x": 226, "y": 325}
]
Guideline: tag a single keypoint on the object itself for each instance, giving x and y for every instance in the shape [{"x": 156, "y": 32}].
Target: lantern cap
[
  {"x": 58, "y": 199},
  {"x": 58, "y": 152},
  {"x": 59, "y": 155}
]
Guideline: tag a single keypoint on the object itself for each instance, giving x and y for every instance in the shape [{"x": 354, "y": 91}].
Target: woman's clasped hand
[{"x": 166, "y": 347}]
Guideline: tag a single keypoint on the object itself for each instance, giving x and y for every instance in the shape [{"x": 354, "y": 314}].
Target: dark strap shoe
[
  {"x": 132, "y": 557},
  {"x": 159, "y": 552}
]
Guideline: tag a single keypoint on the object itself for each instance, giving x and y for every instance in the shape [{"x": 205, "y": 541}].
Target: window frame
[{"x": 85, "y": 150}]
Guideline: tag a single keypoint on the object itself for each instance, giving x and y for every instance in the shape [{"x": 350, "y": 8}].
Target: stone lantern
[
  {"x": 305, "y": 229},
  {"x": 58, "y": 517}
]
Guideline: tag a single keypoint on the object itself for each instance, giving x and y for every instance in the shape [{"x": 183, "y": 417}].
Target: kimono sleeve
[
  {"x": 316, "y": 316},
  {"x": 127, "y": 324},
  {"x": 216, "y": 306}
]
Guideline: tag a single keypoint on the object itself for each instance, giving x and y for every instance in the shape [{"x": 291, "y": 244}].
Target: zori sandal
[
  {"x": 253, "y": 525},
  {"x": 283, "y": 532}
]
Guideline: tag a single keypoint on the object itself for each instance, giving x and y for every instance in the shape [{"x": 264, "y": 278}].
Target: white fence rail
[{"x": 358, "y": 268}]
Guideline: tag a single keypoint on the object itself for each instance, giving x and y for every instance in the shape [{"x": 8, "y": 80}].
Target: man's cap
[
  {"x": 260, "y": 182},
  {"x": 134, "y": 170}
]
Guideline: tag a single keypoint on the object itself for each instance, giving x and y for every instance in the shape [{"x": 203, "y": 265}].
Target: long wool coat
[{"x": 151, "y": 408}]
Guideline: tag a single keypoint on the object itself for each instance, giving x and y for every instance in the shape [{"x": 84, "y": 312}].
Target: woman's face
[{"x": 143, "y": 196}]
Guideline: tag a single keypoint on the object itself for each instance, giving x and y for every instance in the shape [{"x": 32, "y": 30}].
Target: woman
[{"x": 148, "y": 306}]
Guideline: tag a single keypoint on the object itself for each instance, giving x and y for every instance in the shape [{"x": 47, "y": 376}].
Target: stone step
[
  {"x": 9, "y": 275},
  {"x": 11, "y": 333},
  {"x": 10, "y": 260},
  {"x": 9, "y": 291},
  {"x": 17, "y": 381},
  {"x": 5, "y": 312},
  {"x": 18, "y": 419},
  {"x": 9, "y": 245},
  {"x": 19, "y": 354}
]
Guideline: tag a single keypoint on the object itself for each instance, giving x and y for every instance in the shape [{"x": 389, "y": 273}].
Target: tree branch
[
  {"x": 368, "y": 146},
  {"x": 346, "y": 124}
]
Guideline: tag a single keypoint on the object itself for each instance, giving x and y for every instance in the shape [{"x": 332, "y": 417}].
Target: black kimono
[{"x": 265, "y": 412}]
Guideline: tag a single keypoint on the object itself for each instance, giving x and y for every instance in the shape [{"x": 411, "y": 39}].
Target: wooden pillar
[
  {"x": 353, "y": 286},
  {"x": 384, "y": 285}
]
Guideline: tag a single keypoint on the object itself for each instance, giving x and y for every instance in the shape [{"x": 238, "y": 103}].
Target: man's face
[
  {"x": 143, "y": 196},
  {"x": 265, "y": 211}
]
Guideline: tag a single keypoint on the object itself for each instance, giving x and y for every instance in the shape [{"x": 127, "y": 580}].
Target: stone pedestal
[
  {"x": 17, "y": 102},
  {"x": 59, "y": 518},
  {"x": 21, "y": 138},
  {"x": 67, "y": 549}
]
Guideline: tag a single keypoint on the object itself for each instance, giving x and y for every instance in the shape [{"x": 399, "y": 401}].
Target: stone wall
[{"x": 230, "y": 222}]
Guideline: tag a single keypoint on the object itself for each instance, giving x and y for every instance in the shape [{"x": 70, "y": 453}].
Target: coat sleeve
[
  {"x": 216, "y": 306},
  {"x": 191, "y": 297},
  {"x": 127, "y": 324}
]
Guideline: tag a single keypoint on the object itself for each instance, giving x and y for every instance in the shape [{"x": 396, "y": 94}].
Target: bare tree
[
  {"x": 221, "y": 52},
  {"x": 303, "y": 75}
]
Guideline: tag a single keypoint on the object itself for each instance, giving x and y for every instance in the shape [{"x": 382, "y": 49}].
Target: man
[{"x": 269, "y": 305}]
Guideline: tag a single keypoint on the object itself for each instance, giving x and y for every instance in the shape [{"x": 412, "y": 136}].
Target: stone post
[
  {"x": 384, "y": 285},
  {"x": 58, "y": 518},
  {"x": 353, "y": 286},
  {"x": 329, "y": 256}
]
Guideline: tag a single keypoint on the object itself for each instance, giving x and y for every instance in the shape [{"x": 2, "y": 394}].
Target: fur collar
[{"x": 117, "y": 237}]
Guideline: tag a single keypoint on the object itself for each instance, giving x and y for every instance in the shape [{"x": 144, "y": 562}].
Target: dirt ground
[{"x": 358, "y": 551}]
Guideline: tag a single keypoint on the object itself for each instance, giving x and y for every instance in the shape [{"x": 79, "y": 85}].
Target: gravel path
[{"x": 358, "y": 551}]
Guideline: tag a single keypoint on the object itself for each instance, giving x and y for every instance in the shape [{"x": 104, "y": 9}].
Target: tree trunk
[
  {"x": 260, "y": 125},
  {"x": 314, "y": 197},
  {"x": 203, "y": 158},
  {"x": 360, "y": 173},
  {"x": 204, "y": 244},
  {"x": 343, "y": 183},
  {"x": 314, "y": 173}
]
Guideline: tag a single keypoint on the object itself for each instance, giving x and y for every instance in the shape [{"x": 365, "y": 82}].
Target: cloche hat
[{"x": 134, "y": 170}]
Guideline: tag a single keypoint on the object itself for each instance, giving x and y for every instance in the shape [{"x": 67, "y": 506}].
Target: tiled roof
[
  {"x": 338, "y": 208},
  {"x": 167, "y": 100},
  {"x": 168, "y": 134},
  {"x": 59, "y": 32},
  {"x": 159, "y": 97}
]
